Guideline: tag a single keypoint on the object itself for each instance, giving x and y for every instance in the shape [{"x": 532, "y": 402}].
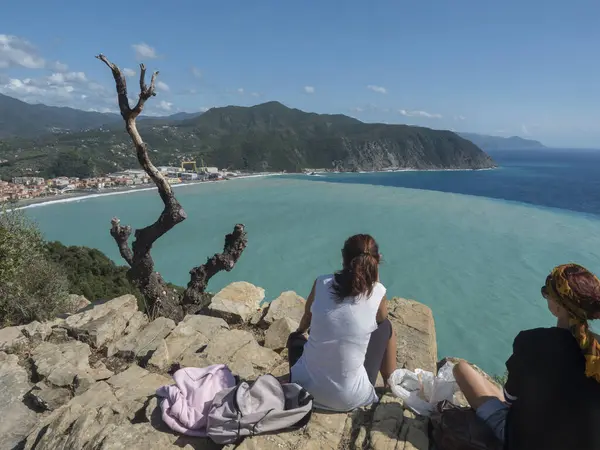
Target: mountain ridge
[
  {"x": 489, "y": 142},
  {"x": 265, "y": 137}
]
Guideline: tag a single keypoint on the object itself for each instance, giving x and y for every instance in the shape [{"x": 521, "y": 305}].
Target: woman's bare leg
[
  {"x": 476, "y": 388},
  {"x": 389, "y": 364}
]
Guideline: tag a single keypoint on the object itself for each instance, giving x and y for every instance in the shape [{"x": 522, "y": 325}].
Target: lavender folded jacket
[{"x": 185, "y": 405}]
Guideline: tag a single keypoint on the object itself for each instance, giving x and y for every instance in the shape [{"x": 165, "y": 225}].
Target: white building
[
  {"x": 166, "y": 169},
  {"x": 61, "y": 182},
  {"x": 27, "y": 181}
]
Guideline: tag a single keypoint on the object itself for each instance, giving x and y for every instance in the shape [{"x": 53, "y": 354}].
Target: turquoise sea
[{"x": 477, "y": 261}]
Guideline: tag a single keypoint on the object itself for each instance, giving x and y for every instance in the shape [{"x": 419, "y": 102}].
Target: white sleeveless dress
[{"x": 332, "y": 365}]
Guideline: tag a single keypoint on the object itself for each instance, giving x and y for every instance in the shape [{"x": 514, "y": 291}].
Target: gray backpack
[{"x": 264, "y": 407}]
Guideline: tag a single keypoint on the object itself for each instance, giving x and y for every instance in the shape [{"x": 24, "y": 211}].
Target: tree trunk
[{"x": 160, "y": 300}]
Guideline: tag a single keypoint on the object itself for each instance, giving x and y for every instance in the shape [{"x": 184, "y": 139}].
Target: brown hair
[{"x": 361, "y": 267}]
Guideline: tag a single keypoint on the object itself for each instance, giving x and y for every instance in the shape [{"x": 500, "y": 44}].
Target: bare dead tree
[{"x": 160, "y": 299}]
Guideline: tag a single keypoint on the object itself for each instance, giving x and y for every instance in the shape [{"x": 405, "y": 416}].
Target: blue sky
[{"x": 528, "y": 67}]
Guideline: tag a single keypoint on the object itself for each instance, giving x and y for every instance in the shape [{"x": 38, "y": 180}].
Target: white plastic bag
[
  {"x": 444, "y": 385},
  {"x": 421, "y": 390}
]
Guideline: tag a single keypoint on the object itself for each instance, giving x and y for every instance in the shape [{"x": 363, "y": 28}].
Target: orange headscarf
[{"x": 559, "y": 290}]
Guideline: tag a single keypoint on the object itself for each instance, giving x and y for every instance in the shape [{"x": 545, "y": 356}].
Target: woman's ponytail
[{"x": 361, "y": 268}]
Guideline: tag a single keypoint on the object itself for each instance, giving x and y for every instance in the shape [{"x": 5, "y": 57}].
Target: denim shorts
[{"x": 493, "y": 413}]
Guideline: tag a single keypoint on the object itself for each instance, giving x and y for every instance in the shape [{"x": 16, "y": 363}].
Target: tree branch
[
  {"x": 160, "y": 299},
  {"x": 121, "y": 236},
  {"x": 138, "y": 257},
  {"x": 121, "y": 85},
  {"x": 235, "y": 243}
]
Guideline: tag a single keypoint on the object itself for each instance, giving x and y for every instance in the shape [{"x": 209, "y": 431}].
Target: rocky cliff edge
[{"x": 87, "y": 381}]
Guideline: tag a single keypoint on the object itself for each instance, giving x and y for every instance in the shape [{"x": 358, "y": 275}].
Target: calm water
[
  {"x": 566, "y": 179},
  {"x": 476, "y": 260}
]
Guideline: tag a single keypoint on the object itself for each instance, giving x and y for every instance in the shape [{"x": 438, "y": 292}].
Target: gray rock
[
  {"x": 257, "y": 318},
  {"x": 227, "y": 344},
  {"x": 11, "y": 338},
  {"x": 189, "y": 336},
  {"x": 136, "y": 383},
  {"x": 387, "y": 423},
  {"x": 144, "y": 342},
  {"x": 17, "y": 419},
  {"x": 126, "y": 305},
  {"x": 59, "y": 335},
  {"x": 236, "y": 302},
  {"x": 152, "y": 409},
  {"x": 325, "y": 431},
  {"x": 104, "y": 329},
  {"x": 137, "y": 321},
  {"x": 49, "y": 398},
  {"x": 37, "y": 331},
  {"x": 76, "y": 303},
  {"x": 277, "y": 335},
  {"x": 74, "y": 426},
  {"x": 61, "y": 363},
  {"x": 240, "y": 351},
  {"x": 415, "y": 334},
  {"x": 288, "y": 304},
  {"x": 161, "y": 359}
]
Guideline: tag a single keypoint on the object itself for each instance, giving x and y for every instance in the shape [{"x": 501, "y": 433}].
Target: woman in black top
[{"x": 551, "y": 400}]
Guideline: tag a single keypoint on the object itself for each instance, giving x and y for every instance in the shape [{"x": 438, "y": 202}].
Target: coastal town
[{"x": 33, "y": 187}]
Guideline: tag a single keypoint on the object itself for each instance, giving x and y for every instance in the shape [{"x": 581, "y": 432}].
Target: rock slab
[
  {"x": 415, "y": 334},
  {"x": 288, "y": 304},
  {"x": 189, "y": 336},
  {"x": 17, "y": 419},
  {"x": 143, "y": 343},
  {"x": 277, "y": 335},
  {"x": 237, "y": 302}
]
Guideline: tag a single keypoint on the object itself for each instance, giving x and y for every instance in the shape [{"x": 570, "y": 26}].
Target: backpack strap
[
  {"x": 253, "y": 431},
  {"x": 238, "y": 412}
]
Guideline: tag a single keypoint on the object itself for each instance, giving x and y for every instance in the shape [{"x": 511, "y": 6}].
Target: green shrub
[
  {"x": 91, "y": 273},
  {"x": 501, "y": 379},
  {"x": 31, "y": 286}
]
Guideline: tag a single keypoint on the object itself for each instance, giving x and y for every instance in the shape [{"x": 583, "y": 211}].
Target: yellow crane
[{"x": 193, "y": 163}]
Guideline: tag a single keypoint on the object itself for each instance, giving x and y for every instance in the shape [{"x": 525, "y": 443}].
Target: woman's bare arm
[
  {"x": 382, "y": 312},
  {"x": 305, "y": 321}
]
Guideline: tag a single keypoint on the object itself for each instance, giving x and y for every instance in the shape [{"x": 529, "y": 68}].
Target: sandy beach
[{"x": 81, "y": 195}]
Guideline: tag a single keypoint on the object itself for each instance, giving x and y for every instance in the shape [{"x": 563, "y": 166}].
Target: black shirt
[{"x": 554, "y": 405}]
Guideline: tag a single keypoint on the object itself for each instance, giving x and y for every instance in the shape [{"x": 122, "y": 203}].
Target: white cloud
[
  {"x": 416, "y": 113},
  {"x": 144, "y": 51},
  {"x": 309, "y": 89},
  {"x": 204, "y": 109},
  {"x": 129, "y": 72},
  {"x": 162, "y": 86},
  {"x": 255, "y": 94},
  {"x": 165, "y": 106},
  {"x": 31, "y": 91},
  {"x": 17, "y": 52},
  {"x": 69, "y": 77},
  {"x": 358, "y": 109},
  {"x": 525, "y": 130},
  {"x": 378, "y": 89},
  {"x": 102, "y": 110},
  {"x": 459, "y": 117},
  {"x": 71, "y": 89},
  {"x": 58, "y": 66},
  {"x": 240, "y": 90},
  {"x": 196, "y": 72}
]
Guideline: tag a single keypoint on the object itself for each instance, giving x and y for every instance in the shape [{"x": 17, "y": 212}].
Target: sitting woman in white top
[{"x": 351, "y": 340}]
